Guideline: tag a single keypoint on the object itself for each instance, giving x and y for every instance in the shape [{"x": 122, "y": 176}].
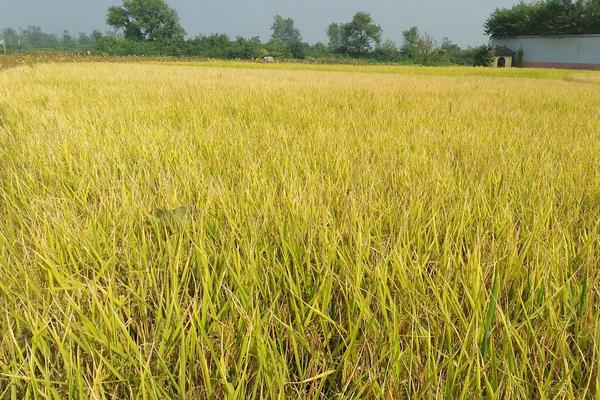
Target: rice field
[{"x": 217, "y": 230}]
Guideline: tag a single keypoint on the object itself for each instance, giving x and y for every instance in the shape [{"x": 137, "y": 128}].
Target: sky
[{"x": 460, "y": 20}]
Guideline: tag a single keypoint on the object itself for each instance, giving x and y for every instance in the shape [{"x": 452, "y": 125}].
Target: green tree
[
  {"x": 411, "y": 43},
  {"x": 146, "y": 20},
  {"x": 213, "y": 46},
  {"x": 479, "y": 56},
  {"x": 319, "y": 50},
  {"x": 387, "y": 51},
  {"x": 243, "y": 48},
  {"x": 428, "y": 52},
  {"x": 360, "y": 36},
  {"x": 545, "y": 17},
  {"x": 451, "y": 53},
  {"x": 11, "y": 37},
  {"x": 34, "y": 37},
  {"x": 96, "y": 35},
  {"x": 334, "y": 31},
  {"x": 287, "y": 37},
  {"x": 421, "y": 48},
  {"x": 67, "y": 40}
]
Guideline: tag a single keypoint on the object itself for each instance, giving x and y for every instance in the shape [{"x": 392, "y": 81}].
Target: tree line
[
  {"x": 545, "y": 17},
  {"x": 33, "y": 38},
  {"x": 152, "y": 28}
]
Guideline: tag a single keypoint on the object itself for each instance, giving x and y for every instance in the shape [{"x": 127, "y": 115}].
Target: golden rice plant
[{"x": 234, "y": 231}]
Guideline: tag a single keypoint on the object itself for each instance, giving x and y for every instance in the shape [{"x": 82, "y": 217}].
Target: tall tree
[
  {"x": 361, "y": 35},
  {"x": 146, "y": 20},
  {"x": 545, "y": 17},
  {"x": 428, "y": 52},
  {"x": 11, "y": 37},
  {"x": 387, "y": 51},
  {"x": 67, "y": 40},
  {"x": 420, "y": 47},
  {"x": 285, "y": 34},
  {"x": 452, "y": 52},
  {"x": 334, "y": 31},
  {"x": 411, "y": 43}
]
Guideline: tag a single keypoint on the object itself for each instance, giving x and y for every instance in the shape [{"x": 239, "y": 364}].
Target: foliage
[
  {"x": 221, "y": 46},
  {"x": 357, "y": 38},
  {"x": 421, "y": 48},
  {"x": 334, "y": 32},
  {"x": 411, "y": 43},
  {"x": 126, "y": 47},
  {"x": 318, "y": 50},
  {"x": 481, "y": 56},
  {"x": 546, "y": 17},
  {"x": 360, "y": 36},
  {"x": 452, "y": 53},
  {"x": 243, "y": 48},
  {"x": 213, "y": 46},
  {"x": 236, "y": 230},
  {"x": 146, "y": 20},
  {"x": 286, "y": 38},
  {"x": 387, "y": 51},
  {"x": 152, "y": 28}
]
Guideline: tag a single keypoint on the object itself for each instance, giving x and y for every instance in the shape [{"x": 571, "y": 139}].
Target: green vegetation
[
  {"x": 546, "y": 17},
  {"x": 205, "y": 231},
  {"x": 152, "y": 28},
  {"x": 146, "y": 20},
  {"x": 357, "y": 38},
  {"x": 286, "y": 40}
]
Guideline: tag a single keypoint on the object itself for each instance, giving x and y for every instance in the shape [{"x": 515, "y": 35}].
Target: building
[
  {"x": 566, "y": 51},
  {"x": 503, "y": 57}
]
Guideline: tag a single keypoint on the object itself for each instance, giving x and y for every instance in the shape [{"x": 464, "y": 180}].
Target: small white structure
[
  {"x": 268, "y": 59},
  {"x": 503, "y": 57}
]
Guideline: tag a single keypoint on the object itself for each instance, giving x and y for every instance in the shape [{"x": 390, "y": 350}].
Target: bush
[{"x": 482, "y": 56}]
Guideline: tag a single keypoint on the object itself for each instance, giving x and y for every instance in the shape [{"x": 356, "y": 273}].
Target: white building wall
[{"x": 566, "y": 51}]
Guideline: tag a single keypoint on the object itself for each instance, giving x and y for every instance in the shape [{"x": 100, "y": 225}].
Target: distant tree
[
  {"x": 428, "y": 52},
  {"x": 334, "y": 31},
  {"x": 213, "y": 46},
  {"x": 545, "y": 17},
  {"x": 298, "y": 50},
  {"x": 221, "y": 46},
  {"x": 34, "y": 37},
  {"x": 387, "y": 51},
  {"x": 96, "y": 35},
  {"x": 85, "y": 41},
  {"x": 243, "y": 48},
  {"x": 319, "y": 50},
  {"x": 287, "y": 37},
  {"x": 146, "y": 20},
  {"x": 421, "y": 48},
  {"x": 479, "y": 56},
  {"x": 360, "y": 36},
  {"x": 452, "y": 53},
  {"x": 450, "y": 46},
  {"x": 67, "y": 40},
  {"x": 411, "y": 43},
  {"x": 483, "y": 56},
  {"x": 11, "y": 37}
]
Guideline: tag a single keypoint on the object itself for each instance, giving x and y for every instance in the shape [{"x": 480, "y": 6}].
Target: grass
[{"x": 213, "y": 231}]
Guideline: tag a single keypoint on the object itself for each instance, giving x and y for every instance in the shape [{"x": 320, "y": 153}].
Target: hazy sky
[{"x": 461, "y": 20}]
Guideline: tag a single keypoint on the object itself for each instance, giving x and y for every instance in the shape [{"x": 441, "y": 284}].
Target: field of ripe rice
[{"x": 237, "y": 231}]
